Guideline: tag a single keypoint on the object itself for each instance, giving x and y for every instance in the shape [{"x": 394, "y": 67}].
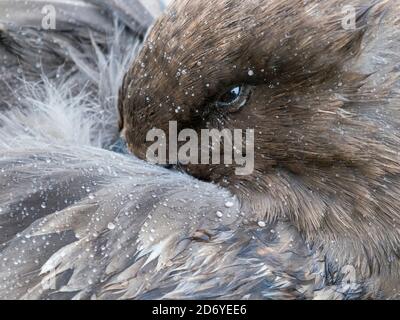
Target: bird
[
  {"x": 322, "y": 97},
  {"x": 82, "y": 216}
]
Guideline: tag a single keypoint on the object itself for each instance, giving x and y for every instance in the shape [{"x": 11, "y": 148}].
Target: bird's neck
[{"x": 352, "y": 219}]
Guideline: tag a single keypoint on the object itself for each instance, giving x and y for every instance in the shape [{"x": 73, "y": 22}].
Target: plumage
[
  {"x": 79, "y": 221},
  {"x": 324, "y": 106}
]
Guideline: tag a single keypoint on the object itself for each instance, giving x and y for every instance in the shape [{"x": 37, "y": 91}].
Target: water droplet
[
  {"x": 111, "y": 226},
  {"x": 229, "y": 204}
]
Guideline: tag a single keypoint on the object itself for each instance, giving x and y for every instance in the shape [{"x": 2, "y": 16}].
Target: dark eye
[{"x": 234, "y": 99}]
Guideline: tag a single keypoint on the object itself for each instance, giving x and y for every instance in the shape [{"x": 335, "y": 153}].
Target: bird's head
[{"x": 285, "y": 69}]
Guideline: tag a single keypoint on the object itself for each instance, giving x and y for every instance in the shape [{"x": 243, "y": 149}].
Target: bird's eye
[{"x": 234, "y": 99}]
